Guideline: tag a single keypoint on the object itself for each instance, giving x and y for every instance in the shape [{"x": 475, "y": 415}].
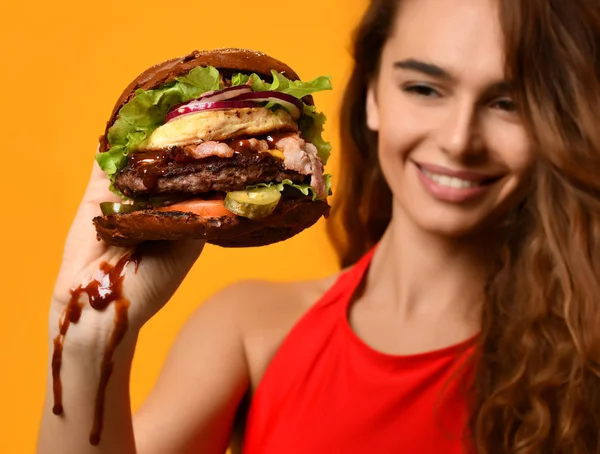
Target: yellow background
[{"x": 63, "y": 65}]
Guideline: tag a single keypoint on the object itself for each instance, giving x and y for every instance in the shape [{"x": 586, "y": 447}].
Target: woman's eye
[
  {"x": 422, "y": 90},
  {"x": 507, "y": 105}
]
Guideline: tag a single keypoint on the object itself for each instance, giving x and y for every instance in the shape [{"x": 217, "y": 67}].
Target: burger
[{"x": 223, "y": 145}]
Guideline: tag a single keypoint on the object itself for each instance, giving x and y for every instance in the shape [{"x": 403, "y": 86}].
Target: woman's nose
[{"x": 458, "y": 135}]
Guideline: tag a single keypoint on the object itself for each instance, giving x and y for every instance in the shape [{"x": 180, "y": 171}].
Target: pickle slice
[
  {"x": 118, "y": 208},
  {"x": 253, "y": 203}
]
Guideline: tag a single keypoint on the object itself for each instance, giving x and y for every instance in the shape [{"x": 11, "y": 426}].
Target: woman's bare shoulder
[
  {"x": 265, "y": 312},
  {"x": 262, "y": 294}
]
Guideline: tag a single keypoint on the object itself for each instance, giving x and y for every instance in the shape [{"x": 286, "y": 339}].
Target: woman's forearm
[{"x": 87, "y": 408}]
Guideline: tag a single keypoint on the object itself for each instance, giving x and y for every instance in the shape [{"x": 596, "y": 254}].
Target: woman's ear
[{"x": 371, "y": 106}]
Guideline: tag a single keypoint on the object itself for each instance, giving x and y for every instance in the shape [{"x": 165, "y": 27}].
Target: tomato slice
[{"x": 201, "y": 207}]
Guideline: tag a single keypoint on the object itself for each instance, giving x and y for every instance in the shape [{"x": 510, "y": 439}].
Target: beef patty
[{"x": 169, "y": 173}]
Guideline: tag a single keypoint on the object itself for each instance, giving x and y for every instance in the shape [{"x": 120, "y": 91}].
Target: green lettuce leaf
[
  {"x": 147, "y": 110},
  {"x": 200, "y": 80},
  {"x": 305, "y": 189},
  {"x": 296, "y": 88},
  {"x": 239, "y": 79},
  {"x": 253, "y": 79},
  {"x": 311, "y": 126}
]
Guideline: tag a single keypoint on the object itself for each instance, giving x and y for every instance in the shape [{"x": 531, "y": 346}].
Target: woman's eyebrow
[
  {"x": 433, "y": 70},
  {"x": 423, "y": 67}
]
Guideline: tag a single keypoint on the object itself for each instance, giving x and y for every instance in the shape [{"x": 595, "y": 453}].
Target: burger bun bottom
[{"x": 289, "y": 218}]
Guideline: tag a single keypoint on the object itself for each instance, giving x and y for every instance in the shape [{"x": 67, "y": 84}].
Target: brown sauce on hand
[{"x": 101, "y": 292}]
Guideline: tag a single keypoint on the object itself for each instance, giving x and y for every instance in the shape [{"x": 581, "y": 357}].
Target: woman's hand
[
  {"x": 88, "y": 346},
  {"x": 147, "y": 286}
]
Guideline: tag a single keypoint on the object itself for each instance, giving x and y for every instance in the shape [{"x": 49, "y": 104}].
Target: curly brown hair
[{"x": 537, "y": 382}]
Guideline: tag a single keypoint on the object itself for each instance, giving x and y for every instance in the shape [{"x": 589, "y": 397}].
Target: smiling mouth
[{"x": 454, "y": 182}]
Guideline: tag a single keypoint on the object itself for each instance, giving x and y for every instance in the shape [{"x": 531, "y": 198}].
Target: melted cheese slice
[{"x": 276, "y": 153}]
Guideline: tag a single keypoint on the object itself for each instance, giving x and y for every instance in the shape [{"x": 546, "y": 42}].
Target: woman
[{"x": 468, "y": 320}]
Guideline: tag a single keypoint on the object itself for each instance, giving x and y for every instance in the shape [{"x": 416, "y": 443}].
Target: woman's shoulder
[
  {"x": 252, "y": 295},
  {"x": 264, "y": 312}
]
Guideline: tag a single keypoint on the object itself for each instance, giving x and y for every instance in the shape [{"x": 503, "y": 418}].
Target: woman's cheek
[
  {"x": 511, "y": 145},
  {"x": 402, "y": 127}
]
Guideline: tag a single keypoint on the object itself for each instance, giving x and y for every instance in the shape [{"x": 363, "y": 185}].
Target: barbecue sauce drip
[
  {"x": 245, "y": 147},
  {"x": 101, "y": 292},
  {"x": 241, "y": 146},
  {"x": 151, "y": 165}
]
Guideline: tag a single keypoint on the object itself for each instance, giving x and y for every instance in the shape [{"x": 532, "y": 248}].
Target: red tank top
[{"x": 326, "y": 391}]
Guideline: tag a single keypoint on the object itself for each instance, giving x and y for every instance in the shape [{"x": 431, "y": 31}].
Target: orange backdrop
[{"x": 63, "y": 65}]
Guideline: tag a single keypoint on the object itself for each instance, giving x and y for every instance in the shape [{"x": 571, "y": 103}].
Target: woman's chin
[
  {"x": 449, "y": 224},
  {"x": 454, "y": 231}
]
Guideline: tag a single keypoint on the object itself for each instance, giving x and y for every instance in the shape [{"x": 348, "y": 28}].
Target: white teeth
[{"x": 450, "y": 182}]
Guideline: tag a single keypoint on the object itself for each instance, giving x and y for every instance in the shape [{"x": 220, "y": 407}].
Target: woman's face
[{"x": 452, "y": 145}]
